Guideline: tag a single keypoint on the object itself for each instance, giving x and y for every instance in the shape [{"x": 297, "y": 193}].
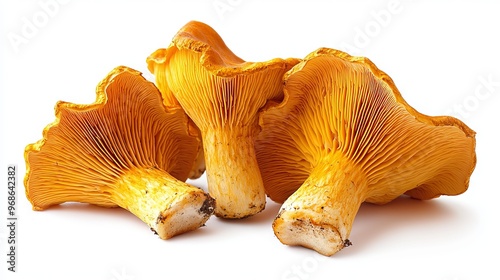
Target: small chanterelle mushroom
[
  {"x": 123, "y": 150},
  {"x": 222, "y": 94},
  {"x": 344, "y": 135}
]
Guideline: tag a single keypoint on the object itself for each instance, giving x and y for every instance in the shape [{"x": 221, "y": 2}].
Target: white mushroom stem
[
  {"x": 169, "y": 206},
  {"x": 319, "y": 215},
  {"x": 233, "y": 174}
]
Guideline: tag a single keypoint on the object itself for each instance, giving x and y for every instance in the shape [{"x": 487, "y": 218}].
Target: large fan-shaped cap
[
  {"x": 344, "y": 130},
  {"x": 123, "y": 150}
]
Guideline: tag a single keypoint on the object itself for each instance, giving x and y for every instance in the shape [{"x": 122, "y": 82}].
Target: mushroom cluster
[{"x": 320, "y": 135}]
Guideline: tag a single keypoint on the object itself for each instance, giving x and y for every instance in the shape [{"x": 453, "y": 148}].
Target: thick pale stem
[
  {"x": 169, "y": 206},
  {"x": 233, "y": 175},
  {"x": 319, "y": 215}
]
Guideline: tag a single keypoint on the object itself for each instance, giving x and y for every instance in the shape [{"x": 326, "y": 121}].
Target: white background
[{"x": 442, "y": 56}]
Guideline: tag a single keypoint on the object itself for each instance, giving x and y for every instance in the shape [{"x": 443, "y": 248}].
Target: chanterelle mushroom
[
  {"x": 222, "y": 94},
  {"x": 344, "y": 135},
  {"x": 123, "y": 150}
]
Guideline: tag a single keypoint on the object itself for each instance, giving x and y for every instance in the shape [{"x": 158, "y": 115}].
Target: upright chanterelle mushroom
[
  {"x": 344, "y": 135},
  {"x": 123, "y": 150},
  {"x": 222, "y": 94}
]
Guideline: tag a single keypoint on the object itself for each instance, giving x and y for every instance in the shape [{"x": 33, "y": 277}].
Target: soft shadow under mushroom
[{"x": 405, "y": 213}]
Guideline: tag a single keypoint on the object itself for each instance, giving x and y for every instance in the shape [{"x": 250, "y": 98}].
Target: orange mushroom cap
[
  {"x": 222, "y": 94},
  {"x": 344, "y": 135},
  {"x": 122, "y": 150}
]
